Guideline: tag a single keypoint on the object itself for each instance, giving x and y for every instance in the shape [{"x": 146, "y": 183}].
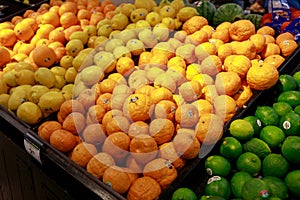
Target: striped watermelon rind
[
  {"x": 228, "y": 12},
  {"x": 255, "y": 19},
  {"x": 206, "y": 9}
]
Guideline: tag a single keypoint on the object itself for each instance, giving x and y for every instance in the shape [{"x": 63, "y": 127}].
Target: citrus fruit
[
  {"x": 218, "y": 186},
  {"x": 290, "y": 149},
  {"x": 282, "y": 108},
  {"x": 292, "y": 180},
  {"x": 241, "y": 129},
  {"x": 272, "y": 135},
  {"x": 258, "y": 147},
  {"x": 275, "y": 165},
  {"x": 277, "y": 187},
  {"x": 184, "y": 194},
  {"x": 249, "y": 162},
  {"x": 290, "y": 97},
  {"x": 290, "y": 123},
  {"x": 255, "y": 189},
  {"x": 296, "y": 77},
  {"x": 267, "y": 115},
  {"x": 297, "y": 109},
  {"x": 237, "y": 182},
  {"x": 231, "y": 148},
  {"x": 216, "y": 165},
  {"x": 256, "y": 123},
  {"x": 205, "y": 197},
  {"x": 286, "y": 82}
]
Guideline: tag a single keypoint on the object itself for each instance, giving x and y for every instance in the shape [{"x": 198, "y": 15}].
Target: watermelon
[
  {"x": 207, "y": 10},
  {"x": 228, "y": 12},
  {"x": 255, "y": 19}
]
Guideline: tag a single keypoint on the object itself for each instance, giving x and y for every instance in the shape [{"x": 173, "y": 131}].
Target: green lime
[
  {"x": 290, "y": 123},
  {"x": 286, "y": 82},
  {"x": 249, "y": 162},
  {"x": 282, "y": 108},
  {"x": 231, "y": 148},
  {"x": 255, "y": 189},
  {"x": 272, "y": 135},
  {"x": 296, "y": 77},
  {"x": 241, "y": 129},
  {"x": 237, "y": 182},
  {"x": 277, "y": 187},
  {"x": 290, "y": 97},
  {"x": 216, "y": 165},
  {"x": 256, "y": 123},
  {"x": 290, "y": 149},
  {"x": 218, "y": 186},
  {"x": 184, "y": 194},
  {"x": 257, "y": 146},
  {"x": 297, "y": 109},
  {"x": 275, "y": 165},
  {"x": 205, "y": 197},
  {"x": 267, "y": 115},
  {"x": 292, "y": 180}
]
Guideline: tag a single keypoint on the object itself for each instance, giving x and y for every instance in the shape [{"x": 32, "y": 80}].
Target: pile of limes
[{"x": 259, "y": 158}]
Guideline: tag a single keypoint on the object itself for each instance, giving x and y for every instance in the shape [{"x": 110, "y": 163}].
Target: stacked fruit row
[{"x": 136, "y": 88}]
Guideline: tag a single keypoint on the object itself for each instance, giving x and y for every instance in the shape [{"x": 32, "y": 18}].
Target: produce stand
[{"x": 31, "y": 168}]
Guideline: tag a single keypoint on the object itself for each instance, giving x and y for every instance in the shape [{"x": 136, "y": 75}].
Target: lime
[
  {"x": 292, "y": 180},
  {"x": 297, "y": 109},
  {"x": 237, "y": 182},
  {"x": 267, "y": 115},
  {"x": 256, "y": 123},
  {"x": 277, "y": 187},
  {"x": 286, "y": 82},
  {"x": 290, "y": 97},
  {"x": 218, "y": 186},
  {"x": 257, "y": 146},
  {"x": 231, "y": 148},
  {"x": 255, "y": 189},
  {"x": 296, "y": 77},
  {"x": 275, "y": 165},
  {"x": 249, "y": 162},
  {"x": 241, "y": 129},
  {"x": 272, "y": 135},
  {"x": 205, "y": 197},
  {"x": 282, "y": 108},
  {"x": 217, "y": 165},
  {"x": 184, "y": 194},
  {"x": 290, "y": 149},
  {"x": 290, "y": 123}
]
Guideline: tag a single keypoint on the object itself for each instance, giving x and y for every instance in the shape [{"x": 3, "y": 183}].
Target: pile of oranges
[{"x": 146, "y": 96}]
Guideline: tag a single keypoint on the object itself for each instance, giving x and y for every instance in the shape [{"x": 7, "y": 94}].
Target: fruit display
[
  {"x": 131, "y": 92},
  {"x": 258, "y": 156}
]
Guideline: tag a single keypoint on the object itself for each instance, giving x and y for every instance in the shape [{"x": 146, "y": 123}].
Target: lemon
[
  {"x": 275, "y": 165},
  {"x": 167, "y": 11},
  {"x": 119, "y": 21},
  {"x": 153, "y": 18},
  {"x": 29, "y": 112},
  {"x": 241, "y": 129},
  {"x": 186, "y": 13}
]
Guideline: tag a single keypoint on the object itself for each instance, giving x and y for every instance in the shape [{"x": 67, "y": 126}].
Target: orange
[
  {"x": 117, "y": 124},
  {"x": 68, "y": 31},
  {"x": 145, "y": 89},
  {"x": 241, "y": 30},
  {"x": 197, "y": 37},
  {"x": 23, "y": 31},
  {"x": 275, "y": 60},
  {"x": 95, "y": 114},
  {"x": 246, "y": 48},
  {"x": 117, "y": 101},
  {"x": 144, "y": 188},
  {"x": 82, "y": 153},
  {"x": 203, "y": 106},
  {"x": 93, "y": 134},
  {"x": 177, "y": 61},
  {"x": 44, "y": 30},
  {"x": 243, "y": 96},
  {"x": 74, "y": 122},
  {"x": 270, "y": 49},
  {"x": 159, "y": 94},
  {"x": 162, "y": 171},
  {"x": 209, "y": 129},
  {"x": 138, "y": 127},
  {"x": 190, "y": 90},
  {"x": 162, "y": 130},
  {"x": 223, "y": 25},
  {"x": 83, "y": 14},
  {"x": 143, "y": 148},
  {"x": 117, "y": 179},
  {"x": 167, "y": 151},
  {"x": 165, "y": 109},
  {"x": 266, "y": 30},
  {"x": 187, "y": 115},
  {"x": 57, "y": 35},
  {"x": 287, "y": 47},
  {"x": 96, "y": 17},
  {"x": 211, "y": 65},
  {"x": 7, "y": 37},
  {"x": 138, "y": 107},
  {"x": 62, "y": 140},
  {"x": 203, "y": 79},
  {"x": 109, "y": 7},
  {"x": 68, "y": 19},
  {"x": 284, "y": 36},
  {"x": 224, "y": 51},
  {"x": 186, "y": 144},
  {"x": 228, "y": 83},
  {"x": 5, "y": 56},
  {"x": 43, "y": 56},
  {"x": 70, "y": 106},
  {"x": 194, "y": 24},
  {"x": 222, "y": 34},
  {"x": 107, "y": 85},
  {"x": 259, "y": 41},
  {"x": 144, "y": 58},
  {"x": 109, "y": 115},
  {"x": 159, "y": 60},
  {"x": 50, "y": 18},
  {"x": 125, "y": 66},
  {"x": 216, "y": 42},
  {"x": 67, "y": 7},
  {"x": 117, "y": 145},
  {"x": 105, "y": 101},
  {"x": 237, "y": 63},
  {"x": 208, "y": 29},
  {"x": 225, "y": 107},
  {"x": 47, "y": 128},
  {"x": 99, "y": 163},
  {"x": 204, "y": 50}
]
